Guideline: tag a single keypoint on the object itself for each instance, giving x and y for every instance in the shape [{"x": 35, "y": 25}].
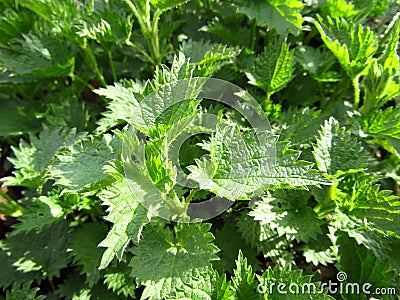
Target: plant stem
[
  {"x": 53, "y": 288},
  {"x": 149, "y": 29},
  {"x": 85, "y": 83},
  {"x": 136, "y": 13},
  {"x": 110, "y": 58},
  {"x": 142, "y": 51},
  {"x": 91, "y": 61},
  {"x": 268, "y": 96},
  {"x": 356, "y": 85},
  {"x": 253, "y": 31},
  {"x": 154, "y": 29},
  {"x": 191, "y": 195},
  {"x": 93, "y": 218}
]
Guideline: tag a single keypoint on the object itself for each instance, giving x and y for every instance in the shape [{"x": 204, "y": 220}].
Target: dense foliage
[{"x": 73, "y": 75}]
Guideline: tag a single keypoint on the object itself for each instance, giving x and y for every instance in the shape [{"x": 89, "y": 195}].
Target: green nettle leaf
[
  {"x": 196, "y": 50},
  {"x": 323, "y": 257},
  {"x": 43, "y": 212},
  {"x": 127, "y": 215},
  {"x": 165, "y": 259},
  {"x": 37, "y": 56},
  {"x": 238, "y": 165},
  {"x": 244, "y": 282},
  {"x": 205, "y": 286},
  {"x": 273, "y": 69},
  {"x": 339, "y": 9},
  {"x": 352, "y": 45},
  {"x": 23, "y": 292},
  {"x": 298, "y": 126},
  {"x": 389, "y": 58},
  {"x": 329, "y": 154},
  {"x": 394, "y": 254},
  {"x": 288, "y": 214},
  {"x": 33, "y": 160},
  {"x": 17, "y": 117},
  {"x": 291, "y": 172},
  {"x": 43, "y": 251},
  {"x": 167, "y": 4},
  {"x": 363, "y": 199},
  {"x": 68, "y": 111},
  {"x": 99, "y": 32},
  {"x": 118, "y": 279},
  {"x": 355, "y": 11},
  {"x": 317, "y": 63},
  {"x": 361, "y": 232},
  {"x": 180, "y": 69},
  {"x": 384, "y": 128},
  {"x": 208, "y": 57},
  {"x": 264, "y": 239},
  {"x": 51, "y": 9},
  {"x": 230, "y": 247},
  {"x": 84, "y": 249},
  {"x": 106, "y": 26},
  {"x": 74, "y": 287},
  {"x": 13, "y": 24},
  {"x": 161, "y": 173},
  {"x": 381, "y": 83},
  {"x": 252, "y": 232},
  {"x": 81, "y": 166},
  {"x": 171, "y": 100},
  {"x": 123, "y": 107},
  {"x": 9, "y": 274},
  {"x": 283, "y": 16},
  {"x": 231, "y": 33}
]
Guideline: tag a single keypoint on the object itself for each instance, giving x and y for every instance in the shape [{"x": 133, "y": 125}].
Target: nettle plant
[{"x": 91, "y": 160}]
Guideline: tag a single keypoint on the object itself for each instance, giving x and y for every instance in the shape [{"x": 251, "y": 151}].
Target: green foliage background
[{"x": 73, "y": 75}]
